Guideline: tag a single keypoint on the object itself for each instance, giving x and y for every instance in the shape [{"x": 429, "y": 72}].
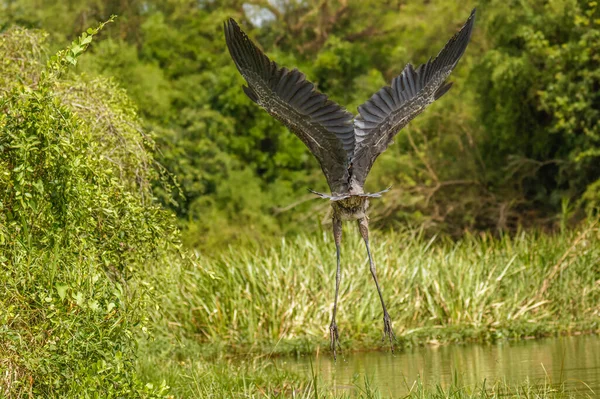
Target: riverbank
[
  {"x": 478, "y": 289},
  {"x": 224, "y": 319},
  {"x": 265, "y": 377}
]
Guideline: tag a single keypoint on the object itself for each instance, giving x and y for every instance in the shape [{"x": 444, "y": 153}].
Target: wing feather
[
  {"x": 392, "y": 107},
  {"x": 325, "y": 127}
]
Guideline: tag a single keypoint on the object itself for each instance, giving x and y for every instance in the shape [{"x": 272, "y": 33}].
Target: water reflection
[{"x": 572, "y": 360}]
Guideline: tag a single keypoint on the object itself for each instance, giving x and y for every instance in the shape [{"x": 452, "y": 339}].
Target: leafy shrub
[{"x": 78, "y": 227}]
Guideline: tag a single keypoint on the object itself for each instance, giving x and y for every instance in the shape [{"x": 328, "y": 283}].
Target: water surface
[{"x": 571, "y": 361}]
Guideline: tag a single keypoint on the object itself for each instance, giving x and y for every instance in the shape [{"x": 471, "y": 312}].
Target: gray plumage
[
  {"x": 346, "y": 148},
  {"x": 324, "y": 127},
  {"x": 392, "y": 107}
]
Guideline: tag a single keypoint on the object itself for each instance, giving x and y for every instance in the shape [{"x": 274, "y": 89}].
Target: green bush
[
  {"x": 540, "y": 103},
  {"x": 79, "y": 227}
]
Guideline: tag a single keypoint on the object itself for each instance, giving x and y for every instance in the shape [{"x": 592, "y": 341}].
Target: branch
[
  {"x": 266, "y": 4},
  {"x": 448, "y": 183},
  {"x": 414, "y": 146},
  {"x": 286, "y": 208}
]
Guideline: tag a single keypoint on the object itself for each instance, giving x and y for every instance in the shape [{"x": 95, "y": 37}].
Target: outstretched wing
[
  {"x": 325, "y": 127},
  {"x": 391, "y": 108}
]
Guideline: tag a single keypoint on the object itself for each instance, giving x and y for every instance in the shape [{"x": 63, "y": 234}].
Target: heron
[{"x": 345, "y": 146}]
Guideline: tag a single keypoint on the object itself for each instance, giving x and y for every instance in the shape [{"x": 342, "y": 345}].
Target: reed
[{"x": 480, "y": 288}]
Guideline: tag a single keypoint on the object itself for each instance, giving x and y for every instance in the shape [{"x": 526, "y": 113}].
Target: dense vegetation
[
  {"x": 77, "y": 225},
  {"x": 224, "y": 319},
  {"x": 530, "y": 285},
  {"x": 515, "y": 143},
  {"x": 105, "y": 151}
]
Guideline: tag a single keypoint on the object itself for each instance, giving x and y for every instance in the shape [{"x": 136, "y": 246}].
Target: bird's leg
[
  {"x": 363, "y": 226},
  {"x": 333, "y": 330}
]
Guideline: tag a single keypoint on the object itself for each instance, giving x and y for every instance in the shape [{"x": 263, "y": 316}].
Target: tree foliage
[
  {"x": 515, "y": 142},
  {"x": 540, "y": 103}
]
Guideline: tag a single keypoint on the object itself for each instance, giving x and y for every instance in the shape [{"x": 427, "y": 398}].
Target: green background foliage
[{"x": 514, "y": 143}]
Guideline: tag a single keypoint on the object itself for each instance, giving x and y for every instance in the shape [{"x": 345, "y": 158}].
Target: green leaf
[
  {"x": 61, "y": 290},
  {"x": 78, "y": 297},
  {"x": 86, "y": 40}
]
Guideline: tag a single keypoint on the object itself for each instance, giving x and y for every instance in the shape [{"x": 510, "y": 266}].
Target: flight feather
[
  {"x": 324, "y": 126},
  {"x": 392, "y": 107}
]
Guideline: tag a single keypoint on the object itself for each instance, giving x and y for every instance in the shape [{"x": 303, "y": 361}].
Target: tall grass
[{"x": 480, "y": 288}]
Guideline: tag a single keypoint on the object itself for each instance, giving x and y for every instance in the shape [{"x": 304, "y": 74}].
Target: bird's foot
[
  {"x": 334, "y": 338},
  {"x": 387, "y": 330}
]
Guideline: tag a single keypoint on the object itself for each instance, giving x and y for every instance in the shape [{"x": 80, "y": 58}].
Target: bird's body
[
  {"x": 353, "y": 207},
  {"x": 346, "y": 147}
]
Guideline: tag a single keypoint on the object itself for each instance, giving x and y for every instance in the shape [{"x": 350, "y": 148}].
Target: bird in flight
[{"x": 345, "y": 146}]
